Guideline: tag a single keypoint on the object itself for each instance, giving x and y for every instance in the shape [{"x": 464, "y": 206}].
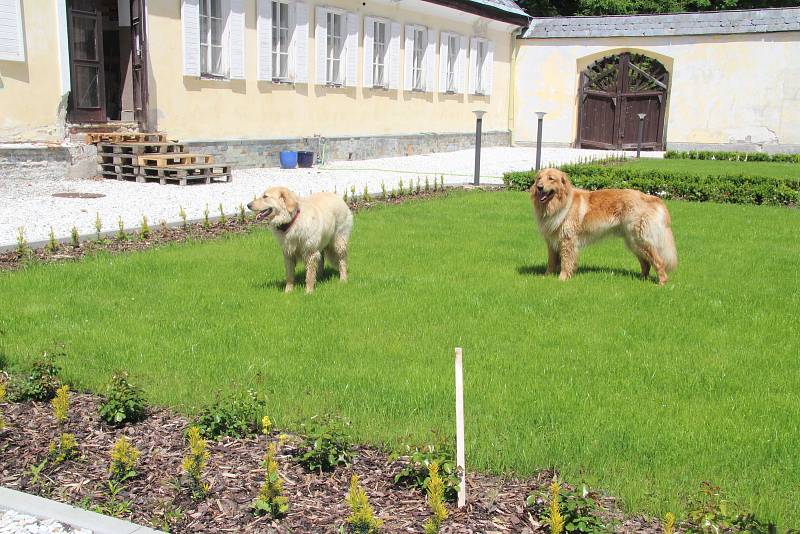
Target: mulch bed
[{"x": 495, "y": 504}]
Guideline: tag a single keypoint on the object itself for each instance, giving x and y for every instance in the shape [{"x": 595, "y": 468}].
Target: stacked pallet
[{"x": 149, "y": 157}]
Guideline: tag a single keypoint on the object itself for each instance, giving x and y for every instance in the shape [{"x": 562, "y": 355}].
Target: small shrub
[
  {"x": 195, "y": 462},
  {"x": 362, "y": 518},
  {"x": 270, "y": 500},
  {"x": 182, "y": 215},
  {"x": 144, "y": 231},
  {"x": 435, "y": 499},
  {"x": 121, "y": 235},
  {"x": 326, "y": 445},
  {"x": 74, "y": 237},
  {"x": 124, "y": 457},
  {"x": 575, "y": 512},
  {"x": 416, "y": 473},
  {"x": 669, "y": 523},
  {"x": 711, "y": 512},
  {"x": 52, "y": 242},
  {"x": 98, "y": 226},
  {"x": 40, "y": 384},
  {"x": 62, "y": 449},
  {"x": 237, "y": 416},
  {"x": 123, "y": 402},
  {"x": 60, "y": 404}
]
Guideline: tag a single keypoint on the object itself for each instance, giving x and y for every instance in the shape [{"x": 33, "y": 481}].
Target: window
[
  {"x": 280, "y": 41},
  {"x": 379, "y": 47},
  {"x": 335, "y": 46},
  {"x": 452, "y": 62},
  {"x": 418, "y": 65},
  {"x": 212, "y": 25}
]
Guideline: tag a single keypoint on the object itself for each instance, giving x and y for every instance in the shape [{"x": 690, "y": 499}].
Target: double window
[
  {"x": 418, "y": 59},
  {"x": 335, "y": 47},
  {"x": 280, "y": 41},
  {"x": 379, "y": 48},
  {"x": 212, "y": 28}
]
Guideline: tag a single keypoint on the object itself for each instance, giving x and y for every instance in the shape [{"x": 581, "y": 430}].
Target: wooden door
[
  {"x": 85, "y": 28},
  {"x": 614, "y": 90},
  {"x": 139, "y": 62}
]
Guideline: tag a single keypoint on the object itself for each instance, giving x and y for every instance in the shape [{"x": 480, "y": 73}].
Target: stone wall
[{"x": 265, "y": 152}]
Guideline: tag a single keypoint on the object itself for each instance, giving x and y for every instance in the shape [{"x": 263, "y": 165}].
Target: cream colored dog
[
  {"x": 570, "y": 218},
  {"x": 305, "y": 228}
]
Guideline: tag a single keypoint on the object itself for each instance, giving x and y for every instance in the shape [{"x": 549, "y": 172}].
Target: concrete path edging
[{"x": 68, "y": 515}]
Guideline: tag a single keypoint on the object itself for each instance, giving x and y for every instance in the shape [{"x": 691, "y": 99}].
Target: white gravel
[
  {"x": 12, "y": 522},
  {"x": 29, "y": 204}
]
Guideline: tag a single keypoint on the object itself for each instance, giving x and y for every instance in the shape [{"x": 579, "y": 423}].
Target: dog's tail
[{"x": 664, "y": 241}]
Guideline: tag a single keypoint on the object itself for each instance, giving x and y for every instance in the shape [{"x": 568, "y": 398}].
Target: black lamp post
[
  {"x": 641, "y": 134},
  {"x": 478, "y": 127},
  {"x": 541, "y": 115}
]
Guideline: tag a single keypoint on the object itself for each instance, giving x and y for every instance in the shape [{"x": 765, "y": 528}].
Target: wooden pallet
[
  {"x": 125, "y": 137},
  {"x": 162, "y": 147},
  {"x": 182, "y": 158}
]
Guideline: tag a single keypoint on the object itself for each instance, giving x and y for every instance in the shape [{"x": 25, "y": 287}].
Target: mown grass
[
  {"x": 713, "y": 167},
  {"x": 641, "y": 390}
]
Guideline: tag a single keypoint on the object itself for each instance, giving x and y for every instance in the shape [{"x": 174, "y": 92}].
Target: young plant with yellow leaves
[
  {"x": 556, "y": 520},
  {"x": 195, "y": 462},
  {"x": 270, "y": 500},
  {"x": 124, "y": 457},
  {"x": 435, "y": 498},
  {"x": 362, "y": 518},
  {"x": 60, "y": 404}
]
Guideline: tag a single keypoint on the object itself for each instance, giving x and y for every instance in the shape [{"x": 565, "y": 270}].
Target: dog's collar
[{"x": 285, "y": 227}]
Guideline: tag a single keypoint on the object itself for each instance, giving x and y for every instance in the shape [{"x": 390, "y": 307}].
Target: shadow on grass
[
  {"x": 299, "y": 279},
  {"x": 540, "y": 269}
]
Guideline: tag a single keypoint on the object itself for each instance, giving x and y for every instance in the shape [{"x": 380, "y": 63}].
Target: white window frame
[
  {"x": 281, "y": 23},
  {"x": 451, "y": 61},
  {"x": 380, "y": 53},
  {"x": 207, "y": 46},
  {"x": 418, "y": 59},
  {"x": 335, "y": 60}
]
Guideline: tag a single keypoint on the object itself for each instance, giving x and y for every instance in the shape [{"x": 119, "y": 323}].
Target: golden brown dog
[
  {"x": 570, "y": 218},
  {"x": 305, "y": 227}
]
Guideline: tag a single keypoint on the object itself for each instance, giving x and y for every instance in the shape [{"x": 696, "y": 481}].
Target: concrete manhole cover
[{"x": 78, "y": 195}]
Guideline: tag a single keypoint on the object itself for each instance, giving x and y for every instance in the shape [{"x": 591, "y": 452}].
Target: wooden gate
[{"x": 613, "y": 91}]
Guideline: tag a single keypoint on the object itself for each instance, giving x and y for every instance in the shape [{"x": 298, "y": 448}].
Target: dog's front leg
[
  {"x": 312, "y": 264},
  {"x": 568, "y": 254},
  {"x": 289, "y": 263}
]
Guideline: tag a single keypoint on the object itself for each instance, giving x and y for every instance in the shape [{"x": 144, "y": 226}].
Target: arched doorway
[{"x": 613, "y": 91}]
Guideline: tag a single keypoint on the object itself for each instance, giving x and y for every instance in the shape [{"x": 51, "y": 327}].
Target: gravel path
[
  {"x": 30, "y": 203},
  {"x": 12, "y": 522}
]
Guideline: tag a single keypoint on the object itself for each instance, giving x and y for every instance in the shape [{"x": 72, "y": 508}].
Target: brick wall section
[
  {"x": 265, "y": 152},
  {"x": 707, "y": 23}
]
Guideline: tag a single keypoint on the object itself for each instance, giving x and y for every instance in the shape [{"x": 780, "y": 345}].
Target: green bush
[
  {"x": 727, "y": 188},
  {"x": 123, "y": 403},
  {"x": 326, "y": 444},
  {"x": 237, "y": 416},
  {"x": 40, "y": 384},
  {"x": 732, "y": 156}
]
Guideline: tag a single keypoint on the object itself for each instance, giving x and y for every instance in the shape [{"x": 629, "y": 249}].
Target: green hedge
[
  {"x": 731, "y": 188},
  {"x": 732, "y": 156}
]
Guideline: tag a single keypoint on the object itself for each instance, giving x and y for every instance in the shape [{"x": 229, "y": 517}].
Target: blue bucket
[{"x": 288, "y": 159}]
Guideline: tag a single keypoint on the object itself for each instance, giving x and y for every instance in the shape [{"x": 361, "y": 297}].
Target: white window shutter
[
  {"x": 300, "y": 42},
  {"x": 461, "y": 65},
  {"x": 236, "y": 39},
  {"x": 488, "y": 69},
  {"x": 190, "y": 23},
  {"x": 473, "y": 64},
  {"x": 264, "y": 31},
  {"x": 394, "y": 57},
  {"x": 430, "y": 61},
  {"x": 408, "y": 82},
  {"x": 351, "y": 52},
  {"x": 369, "y": 38},
  {"x": 12, "y": 42},
  {"x": 444, "y": 45},
  {"x": 321, "y": 44}
]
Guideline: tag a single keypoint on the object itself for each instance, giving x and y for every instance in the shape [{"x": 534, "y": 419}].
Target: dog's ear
[{"x": 289, "y": 199}]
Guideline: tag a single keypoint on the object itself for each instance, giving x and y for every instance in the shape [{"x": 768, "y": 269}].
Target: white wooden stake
[{"x": 462, "y": 488}]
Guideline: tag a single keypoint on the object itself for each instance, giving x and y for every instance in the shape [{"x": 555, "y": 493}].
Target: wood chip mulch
[{"x": 159, "y": 497}]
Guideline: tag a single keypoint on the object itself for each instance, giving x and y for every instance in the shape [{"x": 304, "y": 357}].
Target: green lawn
[
  {"x": 641, "y": 390},
  {"x": 706, "y": 167}
]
